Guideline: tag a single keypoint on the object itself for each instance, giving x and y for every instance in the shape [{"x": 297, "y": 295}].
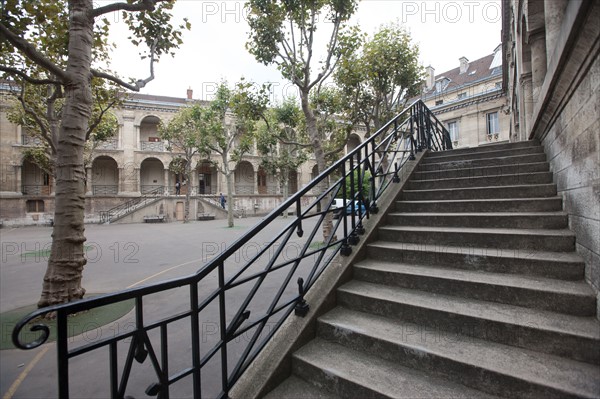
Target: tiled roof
[{"x": 477, "y": 70}]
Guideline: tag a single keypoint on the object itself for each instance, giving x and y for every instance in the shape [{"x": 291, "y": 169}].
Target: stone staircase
[{"x": 471, "y": 290}]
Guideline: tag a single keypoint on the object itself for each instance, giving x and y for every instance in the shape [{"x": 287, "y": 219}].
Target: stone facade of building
[
  {"x": 552, "y": 72},
  {"x": 469, "y": 100}
]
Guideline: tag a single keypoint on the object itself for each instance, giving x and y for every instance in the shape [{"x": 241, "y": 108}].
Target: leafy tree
[
  {"x": 228, "y": 127},
  {"x": 283, "y": 33},
  {"x": 378, "y": 80},
  {"x": 279, "y": 142},
  {"x": 55, "y": 42},
  {"x": 38, "y": 110},
  {"x": 184, "y": 137}
]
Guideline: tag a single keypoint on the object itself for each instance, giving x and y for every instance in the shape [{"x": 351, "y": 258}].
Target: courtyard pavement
[{"x": 120, "y": 257}]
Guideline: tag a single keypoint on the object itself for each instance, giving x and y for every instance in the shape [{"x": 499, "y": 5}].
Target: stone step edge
[
  {"x": 456, "y": 179},
  {"x": 470, "y": 345}
]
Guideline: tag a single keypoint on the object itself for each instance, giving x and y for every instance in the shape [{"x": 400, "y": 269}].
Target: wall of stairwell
[{"x": 551, "y": 50}]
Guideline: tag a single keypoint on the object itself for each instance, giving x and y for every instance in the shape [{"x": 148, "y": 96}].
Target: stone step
[
  {"x": 296, "y": 388},
  {"x": 485, "y": 181},
  {"x": 573, "y": 337},
  {"x": 535, "y": 239},
  {"x": 490, "y": 147},
  {"x": 482, "y": 171},
  {"x": 520, "y": 191},
  {"x": 556, "y": 265},
  {"x": 568, "y": 297},
  {"x": 477, "y": 163},
  {"x": 517, "y": 220},
  {"x": 483, "y": 365},
  {"x": 355, "y": 374},
  {"x": 548, "y": 204},
  {"x": 449, "y": 156}
]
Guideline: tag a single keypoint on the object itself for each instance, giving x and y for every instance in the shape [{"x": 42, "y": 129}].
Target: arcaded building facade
[
  {"x": 552, "y": 72},
  {"x": 135, "y": 162}
]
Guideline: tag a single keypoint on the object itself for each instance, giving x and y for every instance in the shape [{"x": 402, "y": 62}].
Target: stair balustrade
[
  {"x": 238, "y": 283},
  {"x": 126, "y": 208}
]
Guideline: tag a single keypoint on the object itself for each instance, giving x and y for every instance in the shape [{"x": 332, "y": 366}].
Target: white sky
[{"x": 214, "y": 49}]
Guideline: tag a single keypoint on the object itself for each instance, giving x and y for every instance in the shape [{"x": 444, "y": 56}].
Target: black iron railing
[
  {"x": 243, "y": 295},
  {"x": 131, "y": 205}
]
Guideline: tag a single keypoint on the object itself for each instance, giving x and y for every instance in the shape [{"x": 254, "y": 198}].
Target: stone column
[
  {"x": 554, "y": 11},
  {"x": 537, "y": 41},
  {"x": 19, "y": 179},
  {"x": 526, "y": 105},
  {"x": 89, "y": 181},
  {"x": 137, "y": 144},
  {"x": 255, "y": 183},
  {"x": 138, "y": 185},
  {"x": 166, "y": 183}
]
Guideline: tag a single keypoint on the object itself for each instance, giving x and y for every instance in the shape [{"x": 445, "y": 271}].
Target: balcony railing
[
  {"x": 30, "y": 140},
  {"x": 110, "y": 144},
  {"x": 158, "y": 146},
  {"x": 249, "y": 296},
  {"x": 105, "y": 189},
  {"x": 35, "y": 189},
  {"x": 244, "y": 189}
]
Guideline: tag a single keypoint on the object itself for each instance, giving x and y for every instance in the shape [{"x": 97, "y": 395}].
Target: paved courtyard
[{"x": 119, "y": 257}]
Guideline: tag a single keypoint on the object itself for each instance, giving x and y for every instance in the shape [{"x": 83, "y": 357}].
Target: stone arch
[
  {"x": 149, "y": 137},
  {"x": 105, "y": 176},
  {"x": 207, "y": 177},
  {"x": 34, "y": 180},
  {"x": 152, "y": 175},
  {"x": 244, "y": 178},
  {"x": 178, "y": 177},
  {"x": 353, "y": 142}
]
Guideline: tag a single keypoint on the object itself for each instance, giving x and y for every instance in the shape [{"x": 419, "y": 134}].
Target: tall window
[
  {"x": 35, "y": 206},
  {"x": 453, "y": 129},
  {"x": 492, "y": 123}
]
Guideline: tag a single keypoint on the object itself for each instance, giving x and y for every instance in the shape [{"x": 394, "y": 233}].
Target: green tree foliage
[
  {"x": 228, "y": 127},
  {"x": 63, "y": 44},
  {"x": 183, "y": 134},
  {"x": 281, "y": 142},
  {"x": 377, "y": 81},
  {"x": 285, "y": 33}
]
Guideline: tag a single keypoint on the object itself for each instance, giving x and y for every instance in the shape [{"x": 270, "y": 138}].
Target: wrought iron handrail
[
  {"x": 131, "y": 205},
  {"x": 360, "y": 179}
]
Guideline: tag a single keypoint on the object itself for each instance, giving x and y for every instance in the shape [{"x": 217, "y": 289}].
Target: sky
[{"x": 214, "y": 49}]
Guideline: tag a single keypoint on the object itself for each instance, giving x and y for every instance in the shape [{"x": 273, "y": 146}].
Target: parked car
[{"x": 338, "y": 206}]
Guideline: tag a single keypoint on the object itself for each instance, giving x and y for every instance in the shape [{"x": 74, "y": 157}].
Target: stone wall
[{"x": 572, "y": 145}]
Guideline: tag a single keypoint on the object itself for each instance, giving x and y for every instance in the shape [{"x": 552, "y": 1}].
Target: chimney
[
  {"x": 464, "y": 64},
  {"x": 430, "y": 79},
  {"x": 190, "y": 92}
]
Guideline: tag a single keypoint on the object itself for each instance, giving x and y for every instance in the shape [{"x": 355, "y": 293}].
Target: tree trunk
[
  {"x": 286, "y": 189},
  {"x": 319, "y": 153},
  {"x": 188, "y": 177},
  {"x": 62, "y": 282},
  {"x": 229, "y": 177}
]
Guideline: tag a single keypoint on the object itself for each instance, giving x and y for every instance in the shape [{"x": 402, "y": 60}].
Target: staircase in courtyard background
[{"x": 471, "y": 290}]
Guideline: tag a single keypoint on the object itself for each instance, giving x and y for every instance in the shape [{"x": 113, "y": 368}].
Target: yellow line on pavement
[
  {"x": 168, "y": 270},
  {"x": 15, "y": 385}
]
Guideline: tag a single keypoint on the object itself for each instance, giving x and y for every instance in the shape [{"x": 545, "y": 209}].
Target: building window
[
  {"x": 462, "y": 95},
  {"x": 492, "y": 123},
  {"x": 453, "y": 129},
  {"x": 35, "y": 206},
  {"x": 439, "y": 102}
]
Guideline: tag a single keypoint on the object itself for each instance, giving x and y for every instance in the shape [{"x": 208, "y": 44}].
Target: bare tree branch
[
  {"x": 95, "y": 124},
  {"x": 140, "y": 83},
  {"x": 27, "y": 78},
  {"x": 32, "y": 53},
  {"x": 38, "y": 121}
]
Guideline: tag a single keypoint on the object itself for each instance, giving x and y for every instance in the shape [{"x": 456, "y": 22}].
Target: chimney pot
[
  {"x": 190, "y": 93},
  {"x": 464, "y": 64}
]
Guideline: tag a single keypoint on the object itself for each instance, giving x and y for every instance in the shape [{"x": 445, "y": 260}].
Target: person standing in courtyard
[
  {"x": 222, "y": 200},
  {"x": 177, "y": 188}
]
